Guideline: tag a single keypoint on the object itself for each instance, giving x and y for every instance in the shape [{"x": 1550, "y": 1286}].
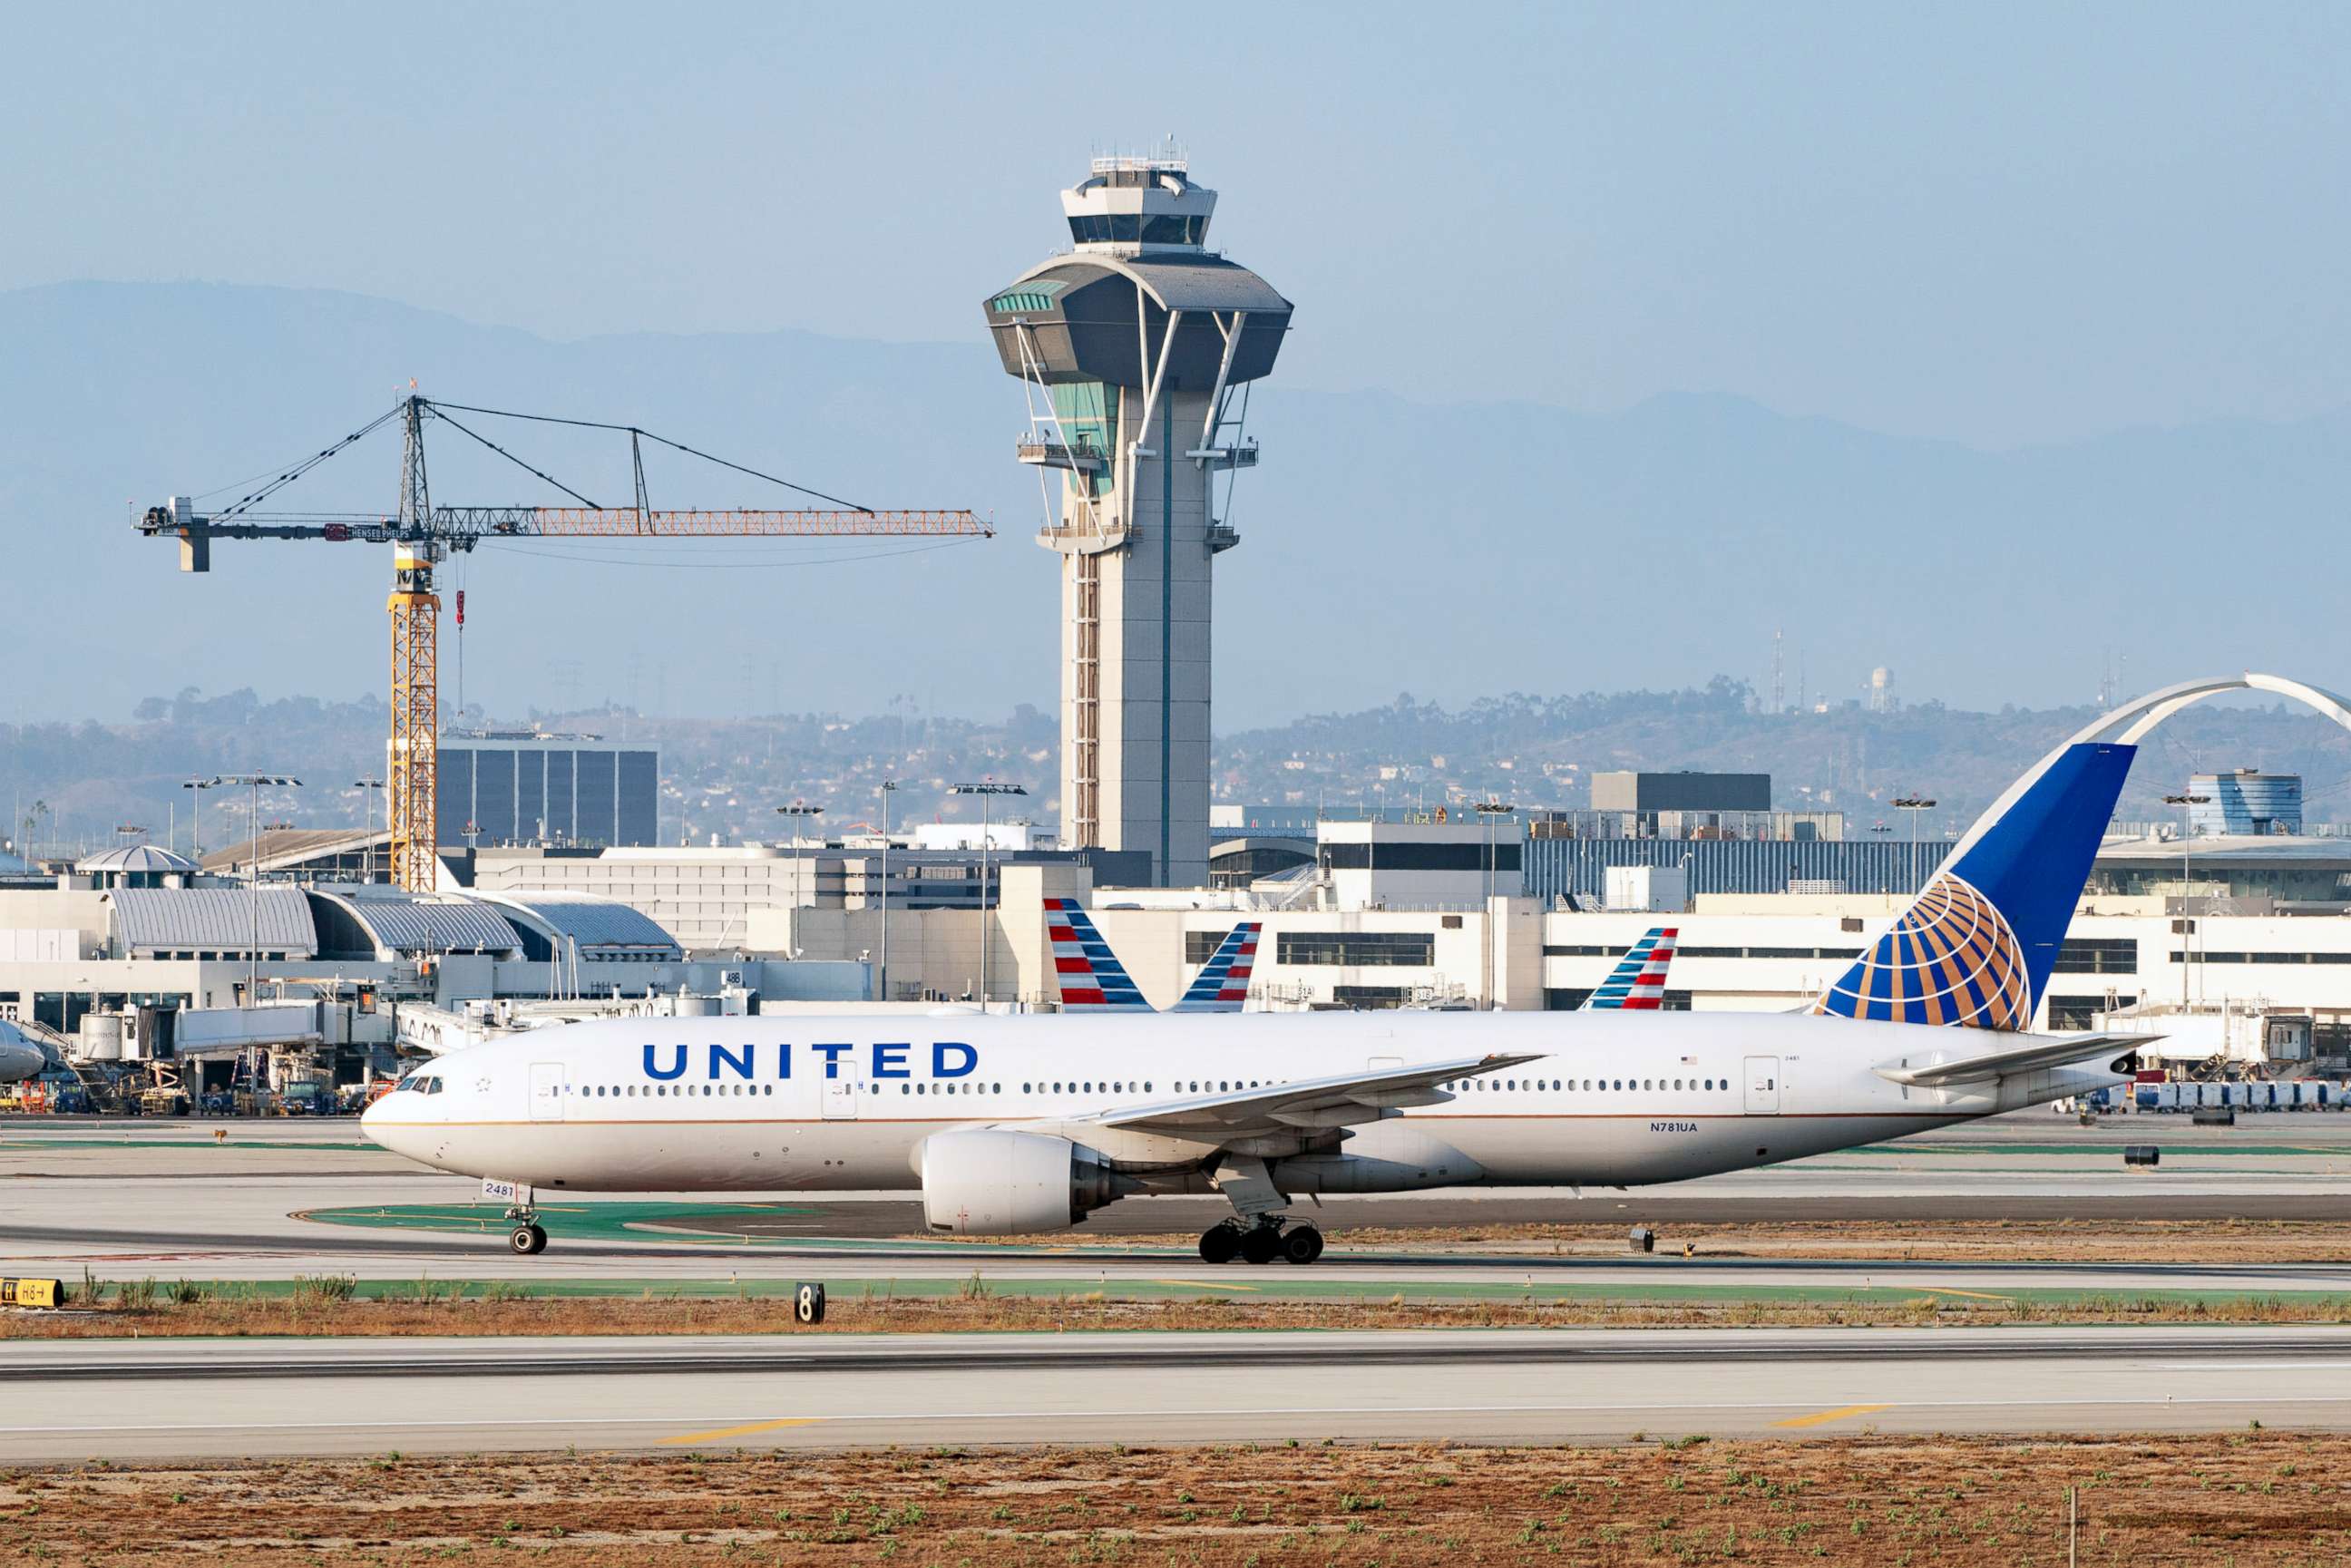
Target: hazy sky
[{"x": 1997, "y": 225}]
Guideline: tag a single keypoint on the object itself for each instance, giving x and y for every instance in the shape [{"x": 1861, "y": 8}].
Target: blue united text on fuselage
[{"x": 885, "y": 1059}]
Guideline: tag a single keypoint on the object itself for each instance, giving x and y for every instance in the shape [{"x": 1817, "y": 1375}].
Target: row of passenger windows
[
  {"x": 736, "y": 1091},
  {"x": 617, "y": 1091},
  {"x": 1195, "y": 1086},
  {"x": 614, "y": 1092},
  {"x": 1591, "y": 1085}
]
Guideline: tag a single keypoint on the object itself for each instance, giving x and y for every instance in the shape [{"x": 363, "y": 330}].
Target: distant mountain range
[{"x": 1453, "y": 552}]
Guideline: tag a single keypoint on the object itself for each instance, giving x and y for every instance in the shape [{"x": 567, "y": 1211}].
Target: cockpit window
[{"x": 418, "y": 1083}]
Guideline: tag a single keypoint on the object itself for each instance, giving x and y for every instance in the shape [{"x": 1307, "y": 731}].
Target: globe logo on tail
[{"x": 1951, "y": 959}]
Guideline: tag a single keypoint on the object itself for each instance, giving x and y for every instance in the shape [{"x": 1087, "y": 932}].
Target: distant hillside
[
  {"x": 1387, "y": 545},
  {"x": 1541, "y": 751},
  {"x": 726, "y": 776}
]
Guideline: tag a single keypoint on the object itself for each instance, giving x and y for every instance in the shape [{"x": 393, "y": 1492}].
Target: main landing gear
[
  {"x": 1272, "y": 1237},
  {"x": 527, "y": 1239}
]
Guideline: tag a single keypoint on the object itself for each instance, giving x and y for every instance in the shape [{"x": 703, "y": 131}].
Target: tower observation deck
[{"x": 1137, "y": 349}]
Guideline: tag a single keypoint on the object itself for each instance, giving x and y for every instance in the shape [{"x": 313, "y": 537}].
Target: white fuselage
[{"x": 844, "y": 1103}]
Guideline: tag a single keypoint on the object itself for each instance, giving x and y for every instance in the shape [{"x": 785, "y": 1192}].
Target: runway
[
  {"x": 124, "y": 1400},
  {"x": 237, "y": 1200}
]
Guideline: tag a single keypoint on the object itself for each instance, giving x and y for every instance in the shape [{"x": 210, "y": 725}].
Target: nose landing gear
[
  {"x": 527, "y": 1239},
  {"x": 1272, "y": 1237}
]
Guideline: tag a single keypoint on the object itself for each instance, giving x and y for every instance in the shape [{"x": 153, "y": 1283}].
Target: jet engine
[{"x": 990, "y": 1182}]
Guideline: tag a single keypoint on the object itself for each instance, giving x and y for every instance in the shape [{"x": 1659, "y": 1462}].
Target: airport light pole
[
  {"x": 1491, "y": 811},
  {"x": 986, "y": 790},
  {"x": 1913, "y": 804},
  {"x": 799, "y": 812},
  {"x": 2187, "y": 831},
  {"x": 196, "y": 816},
  {"x": 367, "y": 802},
  {"x": 253, "y": 782},
  {"x": 889, "y": 787}
]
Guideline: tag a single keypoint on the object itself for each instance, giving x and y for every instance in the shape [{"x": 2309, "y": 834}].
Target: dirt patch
[
  {"x": 2248, "y": 1500},
  {"x": 976, "y": 1309},
  {"x": 2058, "y": 1241}
]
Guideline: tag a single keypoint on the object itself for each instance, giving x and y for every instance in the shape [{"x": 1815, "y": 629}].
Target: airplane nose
[{"x": 372, "y": 1123}]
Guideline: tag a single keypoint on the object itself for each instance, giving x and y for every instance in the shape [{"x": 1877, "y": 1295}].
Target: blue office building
[{"x": 2245, "y": 801}]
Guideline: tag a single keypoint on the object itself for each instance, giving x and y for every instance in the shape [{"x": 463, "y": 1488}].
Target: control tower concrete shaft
[{"x": 1136, "y": 350}]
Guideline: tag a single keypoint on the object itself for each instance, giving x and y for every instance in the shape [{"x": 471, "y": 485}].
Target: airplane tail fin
[
  {"x": 1223, "y": 986},
  {"x": 1093, "y": 980},
  {"x": 1976, "y": 948},
  {"x": 1637, "y": 984}
]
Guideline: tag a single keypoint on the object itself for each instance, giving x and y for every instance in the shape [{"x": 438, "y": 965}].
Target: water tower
[{"x": 1137, "y": 349}]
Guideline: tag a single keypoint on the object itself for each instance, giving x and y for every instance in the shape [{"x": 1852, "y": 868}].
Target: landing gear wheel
[
  {"x": 1302, "y": 1244},
  {"x": 1262, "y": 1245},
  {"x": 1220, "y": 1244},
  {"x": 527, "y": 1241}
]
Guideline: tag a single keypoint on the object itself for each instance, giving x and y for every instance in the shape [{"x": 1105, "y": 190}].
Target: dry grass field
[{"x": 2237, "y": 1502}]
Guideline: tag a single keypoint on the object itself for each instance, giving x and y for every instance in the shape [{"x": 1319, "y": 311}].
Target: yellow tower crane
[{"x": 422, "y": 535}]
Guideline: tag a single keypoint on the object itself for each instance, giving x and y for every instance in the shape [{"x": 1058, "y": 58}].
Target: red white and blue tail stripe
[
  {"x": 1223, "y": 986},
  {"x": 1093, "y": 979},
  {"x": 1637, "y": 984}
]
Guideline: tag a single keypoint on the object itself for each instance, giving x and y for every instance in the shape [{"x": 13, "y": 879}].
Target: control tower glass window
[
  {"x": 1089, "y": 414},
  {"x": 1139, "y": 228}
]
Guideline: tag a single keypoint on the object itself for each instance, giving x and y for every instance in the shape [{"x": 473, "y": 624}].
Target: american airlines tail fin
[
  {"x": 1223, "y": 986},
  {"x": 1637, "y": 984},
  {"x": 1093, "y": 979},
  {"x": 1976, "y": 947}
]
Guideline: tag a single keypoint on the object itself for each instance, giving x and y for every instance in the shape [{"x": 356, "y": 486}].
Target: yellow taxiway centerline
[
  {"x": 1822, "y": 1417},
  {"x": 1207, "y": 1284},
  {"x": 723, "y": 1433}
]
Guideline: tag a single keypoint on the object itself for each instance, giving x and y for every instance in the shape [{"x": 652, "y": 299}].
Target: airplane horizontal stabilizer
[{"x": 2042, "y": 1051}]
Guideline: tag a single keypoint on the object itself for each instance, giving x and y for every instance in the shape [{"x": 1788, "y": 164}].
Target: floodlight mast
[{"x": 986, "y": 790}]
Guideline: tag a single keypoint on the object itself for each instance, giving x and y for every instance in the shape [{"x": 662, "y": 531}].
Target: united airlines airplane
[{"x": 1018, "y": 1124}]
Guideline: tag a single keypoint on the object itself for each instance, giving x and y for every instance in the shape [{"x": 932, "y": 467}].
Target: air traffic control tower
[{"x": 1137, "y": 349}]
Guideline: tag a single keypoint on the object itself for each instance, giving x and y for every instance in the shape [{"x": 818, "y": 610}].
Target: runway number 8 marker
[{"x": 807, "y": 1303}]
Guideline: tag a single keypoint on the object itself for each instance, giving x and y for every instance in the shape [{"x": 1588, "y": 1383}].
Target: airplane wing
[
  {"x": 1307, "y": 1103},
  {"x": 2042, "y": 1051}
]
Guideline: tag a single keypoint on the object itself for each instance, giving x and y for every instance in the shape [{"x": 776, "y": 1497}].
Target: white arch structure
[{"x": 2129, "y": 723}]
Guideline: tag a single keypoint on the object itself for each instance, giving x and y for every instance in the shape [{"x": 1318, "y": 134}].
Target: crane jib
[{"x": 460, "y": 527}]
